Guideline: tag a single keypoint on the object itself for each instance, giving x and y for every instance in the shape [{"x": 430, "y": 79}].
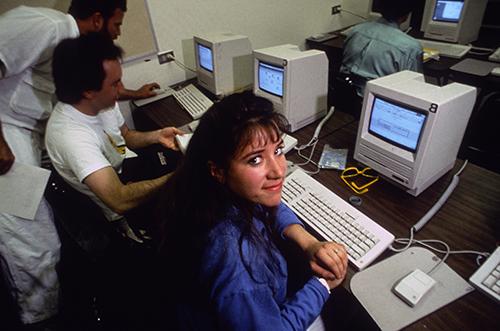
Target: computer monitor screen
[
  {"x": 396, "y": 123},
  {"x": 271, "y": 78},
  {"x": 205, "y": 58},
  {"x": 448, "y": 10}
]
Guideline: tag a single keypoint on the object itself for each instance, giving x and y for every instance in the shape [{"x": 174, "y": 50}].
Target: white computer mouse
[
  {"x": 159, "y": 90},
  {"x": 413, "y": 287}
]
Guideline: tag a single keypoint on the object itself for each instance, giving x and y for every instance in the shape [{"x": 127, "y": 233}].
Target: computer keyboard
[
  {"x": 487, "y": 277},
  {"x": 161, "y": 93},
  {"x": 193, "y": 101},
  {"x": 334, "y": 219},
  {"x": 495, "y": 56},
  {"x": 446, "y": 49}
]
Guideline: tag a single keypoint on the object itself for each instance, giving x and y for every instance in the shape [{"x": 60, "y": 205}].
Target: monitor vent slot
[{"x": 399, "y": 169}]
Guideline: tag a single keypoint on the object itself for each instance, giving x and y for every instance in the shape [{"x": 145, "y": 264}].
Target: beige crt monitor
[
  {"x": 456, "y": 21},
  {"x": 295, "y": 81},
  {"x": 410, "y": 131},
  {"x": 223, "y": 62}
]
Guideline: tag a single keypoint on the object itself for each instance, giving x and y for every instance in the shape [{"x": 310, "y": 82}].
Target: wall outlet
[
  {"x": 336, "y": 10},
  {"x": 166, "y": 56}
]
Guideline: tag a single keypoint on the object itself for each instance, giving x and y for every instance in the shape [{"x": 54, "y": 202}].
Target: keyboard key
[
  {"x": 193, "y": 101},
  {"x": 334, "y": 219},
  {"x": 486, "y": 277},
  {"x": 446, "y": 49}
]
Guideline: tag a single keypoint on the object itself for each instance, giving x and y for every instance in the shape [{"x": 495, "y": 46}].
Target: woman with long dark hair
[{"x": 222, "y": 217}]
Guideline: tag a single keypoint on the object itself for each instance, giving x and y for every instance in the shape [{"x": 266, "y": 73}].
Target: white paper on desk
[
  {"x": 129, "y": 153},
  {"x": 21, "y": 190}
]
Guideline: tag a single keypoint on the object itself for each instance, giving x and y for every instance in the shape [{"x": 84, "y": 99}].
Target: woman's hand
[{"x": 328, "y": 260}]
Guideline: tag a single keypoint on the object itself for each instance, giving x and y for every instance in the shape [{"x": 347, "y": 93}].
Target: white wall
[{"x": 265, "y": 22}]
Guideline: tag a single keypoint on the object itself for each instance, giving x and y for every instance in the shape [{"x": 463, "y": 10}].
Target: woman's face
[{"x": 257, "y": 172}]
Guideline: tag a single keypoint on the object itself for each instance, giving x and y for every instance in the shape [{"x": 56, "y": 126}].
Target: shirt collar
[{"x": 382, "y": 20}]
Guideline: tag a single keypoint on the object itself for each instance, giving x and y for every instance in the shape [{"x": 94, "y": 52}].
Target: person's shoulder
[
  {"x": 410, "y": 42},
  {"x": 221, "y": 248},
  {"x": 29, "y": 12},
  {"x": 62, "y": 124},
  {"x": 367, "y": 25},
  {"x": 226, "y": 229}
]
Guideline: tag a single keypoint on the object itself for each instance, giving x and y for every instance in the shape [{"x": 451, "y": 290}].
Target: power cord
[
  {"x": 354, "y": 14},
  {"x": 180, "y": 64}
]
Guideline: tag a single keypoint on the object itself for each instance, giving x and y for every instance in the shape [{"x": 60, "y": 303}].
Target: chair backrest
[
  {"x": 344, "y": 96},
  {"x": 481, "y": 139},
  {"x": 78, "y": 218},
  {"x": 10, "y": 315}
]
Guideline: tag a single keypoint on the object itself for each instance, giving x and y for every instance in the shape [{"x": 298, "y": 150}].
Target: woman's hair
[{"x": 193, "y": 201}]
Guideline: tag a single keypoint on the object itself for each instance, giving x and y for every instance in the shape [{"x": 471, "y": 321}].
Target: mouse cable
[
  {"x": 427, "y": 243},
  {"x": 312, "y": 143}
]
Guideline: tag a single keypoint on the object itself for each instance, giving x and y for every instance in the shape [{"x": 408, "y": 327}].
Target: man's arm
[
  {"x": 143, "y": 92},
  {"x": 137, "y": 139},
  {"x": 120, "y": 198},
  {"x": 6, "y": 156}
]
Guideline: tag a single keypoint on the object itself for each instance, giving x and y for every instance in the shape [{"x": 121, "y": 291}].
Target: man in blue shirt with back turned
[{"x": 379, "y": 48}]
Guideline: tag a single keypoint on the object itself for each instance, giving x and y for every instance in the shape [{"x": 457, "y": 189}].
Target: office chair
[
  {"x": 480, "y": 143},
  {"x": 85, "y": 236},
  {"x": 104, "y": 276},
  {"x": 344, "y": 97},
  {"x": 10, "y": 318}
]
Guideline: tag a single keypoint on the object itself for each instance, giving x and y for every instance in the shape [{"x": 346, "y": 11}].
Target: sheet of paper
[
  {"x": 21, "y": 190},
  {"x": 129, "y": 153}
]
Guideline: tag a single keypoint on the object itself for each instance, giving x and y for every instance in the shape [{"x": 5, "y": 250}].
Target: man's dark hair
[
  {"x": 82, "y": 9},
  {"x": 77, "y": 65},
  {"x": 393, "y": 10}
]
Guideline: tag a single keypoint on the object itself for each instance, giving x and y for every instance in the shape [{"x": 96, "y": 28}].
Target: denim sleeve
[
  {"x": 285, "y": 217},
  {"x": 256, "y": 309},
  {"x": 245, "y": 300}
]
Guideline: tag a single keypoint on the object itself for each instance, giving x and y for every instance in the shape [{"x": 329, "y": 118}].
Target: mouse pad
[
  {"x": 474, "y": 67},
  {"x": 373, "y": 288}
]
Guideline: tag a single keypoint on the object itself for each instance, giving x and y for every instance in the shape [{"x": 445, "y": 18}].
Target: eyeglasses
[{"x": 349, "y": 173}]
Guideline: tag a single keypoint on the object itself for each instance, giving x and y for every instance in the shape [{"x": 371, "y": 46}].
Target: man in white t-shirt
[
  {"x": 86, "y": 133},
  {"x": 30, "y": 249}
]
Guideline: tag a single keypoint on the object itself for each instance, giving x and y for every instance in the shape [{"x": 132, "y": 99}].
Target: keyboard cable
[
  {"x": 427, "y": 242},
  {"x": 480, "y": 51},
  {"x": 312, "y": 144}
]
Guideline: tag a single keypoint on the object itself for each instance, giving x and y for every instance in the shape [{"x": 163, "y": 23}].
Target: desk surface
[
  {"x": 470, "y": 219},
  {"x": 439, "y": 69}
]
